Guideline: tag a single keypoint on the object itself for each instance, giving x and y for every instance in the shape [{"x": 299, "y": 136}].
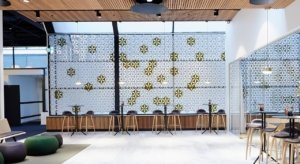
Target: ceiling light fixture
[
  {"x": 37, "y": 14},
  {"x": 148, "y": 7},
  {"x": 4, "y": 3},
  {"x": 98, "y": 14},
  {"x": 261, "y": 2},
  {"x": 267, "y": 70},
  {"x": 26, "y": 1},
  {"x": 216, "y": 12}
]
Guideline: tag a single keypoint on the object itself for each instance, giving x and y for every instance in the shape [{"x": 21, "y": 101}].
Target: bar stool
[
  {"x": 69, "y": 120},
  {"x": 156, "y": 123},
  {"x": 89, "y": 120},
  {"x": 221, "y": 113},
  {"x": 131, "y": 120},
  {"x": 112, "y": 115},
  {"x": 280, "y": 136},
  {"x": 201, "y": 113},
  {"x": 294, "y": 146},
  {"x": 255, "y": 124},
  {"x": 273, "y": 125},
  {"x": 175, "y": 119}
]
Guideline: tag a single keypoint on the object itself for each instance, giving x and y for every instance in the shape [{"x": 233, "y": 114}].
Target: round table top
[{"x": 287, "y": 117}]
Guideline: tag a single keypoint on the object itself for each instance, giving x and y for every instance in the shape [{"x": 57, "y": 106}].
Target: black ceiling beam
[
  {"x": 20, "y": 16},
  {"x": 24, "y": 30}
]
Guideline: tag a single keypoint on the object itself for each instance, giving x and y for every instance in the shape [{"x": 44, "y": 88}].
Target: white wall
[
  {"x": 247, "y": 32},
  {"x": 1, "y": 68}
]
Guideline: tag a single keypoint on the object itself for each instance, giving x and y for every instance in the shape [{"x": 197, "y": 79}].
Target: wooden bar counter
[{"x": 188, "y": 122}]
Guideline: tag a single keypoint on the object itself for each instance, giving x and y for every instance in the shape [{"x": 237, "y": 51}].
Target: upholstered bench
[
  {"x": 57, "y": 136},
  {"x": 41, "y": 145},
  {"x": 13, "y": 152}
]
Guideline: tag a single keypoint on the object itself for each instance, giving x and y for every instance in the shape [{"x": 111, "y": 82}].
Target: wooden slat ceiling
[{"x": 119, "y": 10}]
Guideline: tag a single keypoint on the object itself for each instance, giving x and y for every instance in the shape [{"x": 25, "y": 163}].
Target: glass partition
[{"x": 277, "y": 89}]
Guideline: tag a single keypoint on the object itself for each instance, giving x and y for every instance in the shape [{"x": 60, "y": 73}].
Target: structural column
[{"x": 1, "y": 68}]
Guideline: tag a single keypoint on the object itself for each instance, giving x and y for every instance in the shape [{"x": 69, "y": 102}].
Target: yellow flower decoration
[
  {"x": 148, "y": 71},
  {"x": 135, "y": 64},
  {"x": 144, "y": 108},
  {"x": 143, "y": 49},
  {"x": 152, "y": 63},
  {"x": 156, "y": 41},
  {"x": 200, "y": 56},
  {"x": 196, "y": 77},
  {"x": 191, "y": 86},
  {"x": 122, "y": 41},
  {"x": 165, "y": 101},
  {"x": 136, "y": 93},
  {"x": 58, "y": 94},
  {"x": 191, "y": 41},
  {"x": 174, "y": 56},
  {"x": 123, "y": 57},
  {"x": 178, "y": 93},
  {"x": 179, "y": 107},
  {"x": 156, "y": 101},
  {"x": 131, "y": 101},
  {"x": 148, "y": 86},
  {"x": 92, "y": 49},
  {"x": 61, "y": 42},
  {"x": 101, "y": 79},
  {"x": 88, "y": 87},
  {"x": 126, "y": 64},
  {"x": 174, "y": 71},
  {"x": 71, "y": 72},
  {"x": 161, "y": 78},
  {"x": 223, "y": 56}
]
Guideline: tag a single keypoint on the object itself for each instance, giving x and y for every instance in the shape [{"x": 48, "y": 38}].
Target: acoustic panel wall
[
  {"x": 81, "y": 73},
  {"x": 183, "y": 71}
]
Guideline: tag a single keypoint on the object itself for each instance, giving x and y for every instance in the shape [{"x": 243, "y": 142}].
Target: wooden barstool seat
[
  {"x": 201, "y": 121},
  {"x": 68, "y": 121},
  {"x": 89, "y": 121},
  {"x": 158, "y": 120},
  {"x": 174, "y": 120},
  {"x": 254, "y": 125},
  {"x": 294, "y": 143},
  {"x": 112, "y": 115},
  {"x": 217, "y": 116},
  {"x": 131, "y": 121}
]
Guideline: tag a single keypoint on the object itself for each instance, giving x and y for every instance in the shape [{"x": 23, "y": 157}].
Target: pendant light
[
  {"x": 261, "y": 2},
  {"x": 267, "y": 70}
]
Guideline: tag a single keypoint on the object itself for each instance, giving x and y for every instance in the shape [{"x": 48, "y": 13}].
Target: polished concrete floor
[{"x": 187, "y": 147}]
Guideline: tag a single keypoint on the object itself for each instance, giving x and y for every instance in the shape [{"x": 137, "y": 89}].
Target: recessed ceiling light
[
  {"x": 149, "y": 0},
  {"x": 261, "y": 2}
]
